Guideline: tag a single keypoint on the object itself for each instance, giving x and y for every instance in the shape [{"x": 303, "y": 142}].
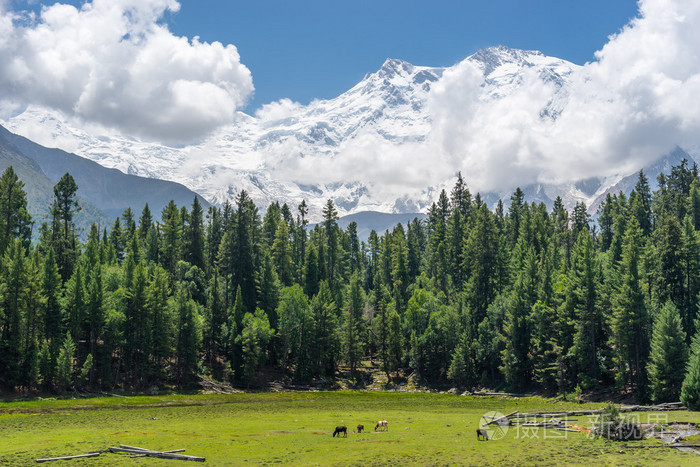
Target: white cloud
[
  {"x": 278, "y": 110},
  {"x": 112, "y": 62},
  {"x": 631, "y": 105}
]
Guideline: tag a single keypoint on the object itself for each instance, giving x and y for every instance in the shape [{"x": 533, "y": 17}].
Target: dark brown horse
[
  {"x": 360, "y": 428},
  {"x": 339, "y": 430}
]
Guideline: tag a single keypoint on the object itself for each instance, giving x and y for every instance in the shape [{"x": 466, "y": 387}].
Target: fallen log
[
  {"x": 664, "y": 446},
  {"x": 506, "y": 417},
  {"x": 669, "y": 406},
  {"x": 158, "y": 454},
  {"x": 50, "y": 459},
  {"x": 124, "y": 446},
  {"x": 164, "y": 452}
]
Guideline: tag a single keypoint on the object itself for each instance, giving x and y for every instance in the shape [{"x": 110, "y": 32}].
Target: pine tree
[
  {"x": 193, "y": 237},
  {"x": 117, "y": 238},
  {"x": 481, "y": 260},
  {"x": 399, "y": 268},
  {"x": 64, "y": 239},
  {"x": 137, "y": 333},
  {"x": 15, "y": 221},
  {"x": 630, "y": 322},
  {"x": 312, "y": 275},
  {"x": 51, "y": 290},
  {"x": 296, "y": 330},
  {"x": 215, "y": 320},
  {"x": 244, "y": 266},
  {"x": 189, "y": 336},
  {"x": 13, "y": 297},
  {"x": 95, "y": 316},
  {"x": 159, "y": 322},
  {"x": 461, "y": 198},
  {"x": 254, "y": 339},
  {"x": 353, "y": 326},
  {"x": 458, "y": 366},
  {"x": 330, "y": 232},
  {"x": 668, "y": 357},
  {"x": 65, "y": 364},
  {"x": 394, "y": 342},
  {"x": 516, "y": 363},
  {"x": 145, "y": 223},
  {"x": 282, "y": 255},
  {"x": 326, "y": 343},
  {"x": 269, "y": 290},
  {"x": 415, "y": 240},
  {"x": 171, "y": 238},
  {"x": 691, "y": 278},
  {"x": 381, "y": 327},
  {"x": 588, "y": 337},
  {"x": 643, "y": 211},
  {"x": 455, "y": 242},
  {"x": 690, "y": 391}
]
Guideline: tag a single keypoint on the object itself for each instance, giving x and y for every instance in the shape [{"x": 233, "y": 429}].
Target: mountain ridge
[{"x": 269, "y": 154}]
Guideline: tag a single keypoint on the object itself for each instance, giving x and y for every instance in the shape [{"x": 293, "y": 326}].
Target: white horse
[{"x": 382, "y": 424}]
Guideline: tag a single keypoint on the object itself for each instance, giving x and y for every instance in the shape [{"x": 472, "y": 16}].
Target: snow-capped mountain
[{"x": 265, "y": 154}]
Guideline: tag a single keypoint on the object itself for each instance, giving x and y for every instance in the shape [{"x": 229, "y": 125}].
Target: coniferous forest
[{"x": 519, "y": 297}]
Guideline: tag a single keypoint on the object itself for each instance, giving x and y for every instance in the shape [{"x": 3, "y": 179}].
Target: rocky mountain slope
[{"x": 105, "y": 193}]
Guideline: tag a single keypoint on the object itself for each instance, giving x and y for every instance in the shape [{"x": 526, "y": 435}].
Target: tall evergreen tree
[
  {"x": 193, "y": 241},
  {"x": 15, "y": 221},
  {"x": 253, "y": 339},
  {"x": 13, "y": 297},
  {"x": 171, "y": 227},
  {"x": 64, "y": 238},
  {"x": 690, "y": 391},
  {"x": 668, "y": 357},
  {"x": 296, "y": 331},
  {"x": 353, "y": 326},
  {"x": 326, "y": 341},
  {"x": 189, "y": 336},
  {"x": 630, "y": 321}
]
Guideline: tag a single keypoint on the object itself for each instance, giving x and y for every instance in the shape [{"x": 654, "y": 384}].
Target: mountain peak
[
  {"x": 394, "y": 66},
  {"x": 493, "y": 57}
]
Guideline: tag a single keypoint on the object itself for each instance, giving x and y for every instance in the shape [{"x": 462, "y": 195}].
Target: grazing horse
[
  {"x": 482, "y": 434},
  {"x": 360, "y": 428},
  {"x": 339, "y": 430},
  {"x": 382, "y": 424}
]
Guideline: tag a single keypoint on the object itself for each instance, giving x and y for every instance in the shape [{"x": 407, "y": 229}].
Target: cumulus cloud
[
  {"x": 112, "y": 62},
  {"x": 631, "y": 105},
  {"x": 278, "y": 110}
]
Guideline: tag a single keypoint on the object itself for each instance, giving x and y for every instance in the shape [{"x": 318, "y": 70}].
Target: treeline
[{"x": 518, "y": 297}]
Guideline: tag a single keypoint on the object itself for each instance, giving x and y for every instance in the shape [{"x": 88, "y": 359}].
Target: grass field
[{"x": 295, "y": 428}]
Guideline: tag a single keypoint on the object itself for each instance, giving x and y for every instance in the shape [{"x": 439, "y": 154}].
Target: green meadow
[{"x": 295, "y": 428}]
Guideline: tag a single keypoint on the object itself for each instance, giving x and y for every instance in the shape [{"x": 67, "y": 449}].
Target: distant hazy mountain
[
  {"x": 377, "y": 221},
  {"x": 105, "y": 193},
  {"x": 391, "y": 103}
]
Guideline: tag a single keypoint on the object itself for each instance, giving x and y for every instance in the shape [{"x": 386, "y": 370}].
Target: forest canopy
[{"x": 519, "y": 296}]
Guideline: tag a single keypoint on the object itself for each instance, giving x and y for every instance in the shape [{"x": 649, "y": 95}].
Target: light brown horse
[{"x": 382, "y": 425}]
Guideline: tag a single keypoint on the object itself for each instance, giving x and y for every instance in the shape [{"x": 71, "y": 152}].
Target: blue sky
[
  {"x": 308, "y": 49},
  {"x": 319, "y": 48}
]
